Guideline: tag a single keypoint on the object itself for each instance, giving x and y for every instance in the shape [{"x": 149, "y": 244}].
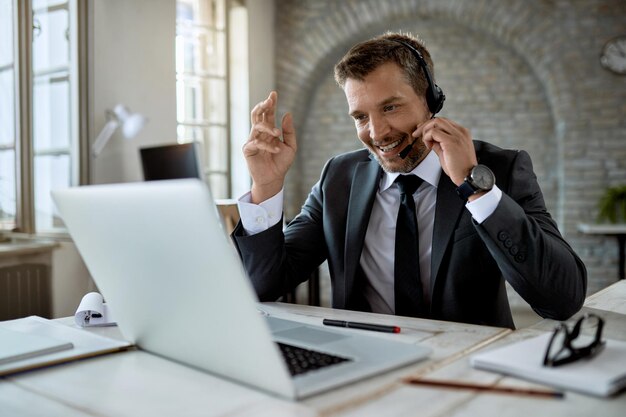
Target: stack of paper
[
  {"x": 601, "y": 375},
  {"x": 17, "y": 346},
  {"x": 34, "y": 342}
]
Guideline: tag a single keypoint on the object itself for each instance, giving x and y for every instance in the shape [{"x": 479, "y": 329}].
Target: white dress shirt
[{"x": 377, "y": 258}]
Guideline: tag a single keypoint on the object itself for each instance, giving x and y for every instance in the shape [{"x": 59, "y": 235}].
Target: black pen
[{"x": 362, "y": 326}]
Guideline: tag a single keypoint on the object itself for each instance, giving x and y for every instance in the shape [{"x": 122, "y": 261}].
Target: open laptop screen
[{"x": 168, "y": 162}]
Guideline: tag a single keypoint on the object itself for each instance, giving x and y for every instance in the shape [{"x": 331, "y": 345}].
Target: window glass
[
  {"x": 217, "y": 101},
  {"x": 51, "y": 172},
  {"x": 218, "y": 147},
  {"x": 55, "y": 157},
  {"x": 192, "y": 100},
  {"x": 7, "y": 107},
  {"x": 8, "y": 194},
  {"x": 7, "y": 189},
  {"x": 40, "y": 4},
  {"x": 201, "y": 86},
  {"x": 50, "y": 40},
  {"x": 188, "y": 133},
  {"x": 51, "y": 111},
  {"x": 218, "y": 182},
  {"x": 217, "y": 53},
  {"x": 218, "y": 11},
  {"x": 6, "y": 33}
]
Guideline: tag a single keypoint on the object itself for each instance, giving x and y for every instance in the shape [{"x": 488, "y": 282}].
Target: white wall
[
  {"x": 133, "y": 63},
  {"x": 261, "y": 18},
  {"x": 70, "y": 279}
]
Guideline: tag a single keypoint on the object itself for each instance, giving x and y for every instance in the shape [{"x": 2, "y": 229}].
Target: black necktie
[{"x": 407, "y": 285}]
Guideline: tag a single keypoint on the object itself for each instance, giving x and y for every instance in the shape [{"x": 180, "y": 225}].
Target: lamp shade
[{"x": 120, "y": 116}]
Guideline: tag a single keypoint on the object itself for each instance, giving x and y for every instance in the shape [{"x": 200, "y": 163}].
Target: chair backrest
[
  {"x": 229, "y": 212},
  {"x": 230, "y": 215},
  {"x": 168, "y": 162}
]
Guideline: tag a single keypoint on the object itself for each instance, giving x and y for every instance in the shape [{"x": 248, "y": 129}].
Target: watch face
[
  {"x": 483, "y": 178},
  {"x": 613, "y": 55}
]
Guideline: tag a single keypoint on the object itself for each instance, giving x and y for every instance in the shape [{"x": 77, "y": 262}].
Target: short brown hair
[{"x": 365, "y": 57}]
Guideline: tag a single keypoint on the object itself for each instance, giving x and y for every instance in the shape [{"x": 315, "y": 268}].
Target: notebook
[
  {"x": 17, "y": 346},
  {"x": 167, "y": 269},
  {"x": 601, "y": 375},
  {"x": 64, "y": 343}
]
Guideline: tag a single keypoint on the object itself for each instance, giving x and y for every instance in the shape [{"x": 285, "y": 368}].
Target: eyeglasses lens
[
  {"x": 557, "y": 349},
  {"x": 588, "y": 327}
]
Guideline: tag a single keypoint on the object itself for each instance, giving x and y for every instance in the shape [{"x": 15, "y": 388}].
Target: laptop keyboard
[{"x": 300, "y": 360}]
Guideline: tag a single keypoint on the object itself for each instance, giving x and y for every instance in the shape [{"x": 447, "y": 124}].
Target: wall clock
[{"x": 613, "y": 56}]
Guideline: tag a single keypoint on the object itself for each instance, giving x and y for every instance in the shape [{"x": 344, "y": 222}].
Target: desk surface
[
  {"x": 603, "y": 229},
  {"x": 137, "y": 383}
]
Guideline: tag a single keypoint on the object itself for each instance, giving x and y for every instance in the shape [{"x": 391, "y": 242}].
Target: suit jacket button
[
  {"x": 513, "y": 250},
  {"x": 503, "y": 236},
  {"x": 520, "y": 258},
  {"x": 508, "y": 243}
]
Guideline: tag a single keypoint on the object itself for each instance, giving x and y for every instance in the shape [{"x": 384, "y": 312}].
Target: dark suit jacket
[{"x": 519, "y": 243}]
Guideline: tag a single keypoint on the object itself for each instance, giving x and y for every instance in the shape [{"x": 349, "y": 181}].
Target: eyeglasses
[{"x": 566, "y": 346}]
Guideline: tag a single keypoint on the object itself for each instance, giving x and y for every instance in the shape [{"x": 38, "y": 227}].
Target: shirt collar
[{"x": 429, "y": 170}]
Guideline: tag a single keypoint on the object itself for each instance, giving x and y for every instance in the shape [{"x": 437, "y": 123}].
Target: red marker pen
[{"x": 362, "y": 326}]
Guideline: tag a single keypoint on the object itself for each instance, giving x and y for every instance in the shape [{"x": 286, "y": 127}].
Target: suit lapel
[
  {"x": 362, "y": 192},
  {"x": 447, "y": 211}
]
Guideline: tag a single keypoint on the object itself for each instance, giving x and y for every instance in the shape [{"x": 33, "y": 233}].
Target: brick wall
[{"x": 520, "y": 74}]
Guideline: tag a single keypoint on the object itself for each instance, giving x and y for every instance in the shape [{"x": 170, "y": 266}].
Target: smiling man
[{"x": 424, "y": 222}]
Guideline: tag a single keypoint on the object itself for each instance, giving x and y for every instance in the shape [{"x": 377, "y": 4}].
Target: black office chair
[
  {"x": 313, "y": 291},
  {"x": 168, "y": 162}
]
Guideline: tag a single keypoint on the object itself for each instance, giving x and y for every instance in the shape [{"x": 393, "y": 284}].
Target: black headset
[{"x": 434, "y": 95}]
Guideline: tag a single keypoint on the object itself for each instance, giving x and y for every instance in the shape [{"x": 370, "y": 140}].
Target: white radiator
[{"x": 24, "y": 291}]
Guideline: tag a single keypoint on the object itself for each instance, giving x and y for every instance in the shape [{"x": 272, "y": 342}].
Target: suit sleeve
[
  {"x": 278, "y": 260},
  {"x": 528, "y": 248}
]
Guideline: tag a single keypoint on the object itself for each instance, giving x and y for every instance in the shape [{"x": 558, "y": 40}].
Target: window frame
[{"x": 25, "y": 221}]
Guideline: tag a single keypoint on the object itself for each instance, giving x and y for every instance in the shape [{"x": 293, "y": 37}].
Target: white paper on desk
[
  {"x": 16, "y": 346},
  {"x": 93, "y": 311},
  {"x": 602, "y": 375},
  {"x": 86, "y": 344}
]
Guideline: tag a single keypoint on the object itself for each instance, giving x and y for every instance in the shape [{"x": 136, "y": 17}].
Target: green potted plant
[{"x": 612, "y": 205}]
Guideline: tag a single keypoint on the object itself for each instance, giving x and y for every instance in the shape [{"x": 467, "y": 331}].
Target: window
[
  {"x": 8, "y": 204},
  {"x": 202, "y": 86},
  {"x": 54, "y": 143},
  {"x": 43, "y": 84},
  {"x": 212, "y": 88},
  {"x": 38, "y": 120}
]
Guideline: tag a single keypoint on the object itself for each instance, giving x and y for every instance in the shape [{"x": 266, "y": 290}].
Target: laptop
[{"x": 161, "y": 258}]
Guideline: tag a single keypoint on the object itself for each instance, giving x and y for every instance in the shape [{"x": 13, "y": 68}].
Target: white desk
[
  {"x": 610, "y": 303},
  {"x": 136, "y": 383},
  {"x": 611, "y": 298}
]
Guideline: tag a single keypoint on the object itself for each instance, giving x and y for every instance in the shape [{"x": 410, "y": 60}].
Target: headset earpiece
[
  {"x": 435, "y": 104},
  {"x": 434, "y": 94}
]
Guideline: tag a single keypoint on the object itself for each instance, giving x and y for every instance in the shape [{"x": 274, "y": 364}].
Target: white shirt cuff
[
  {"x": 257, "y": 218},
  {"x": 485, "y": 205}
]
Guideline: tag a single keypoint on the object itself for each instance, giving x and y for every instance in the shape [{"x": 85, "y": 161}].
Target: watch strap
[{"x": 465, "y": 190}]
